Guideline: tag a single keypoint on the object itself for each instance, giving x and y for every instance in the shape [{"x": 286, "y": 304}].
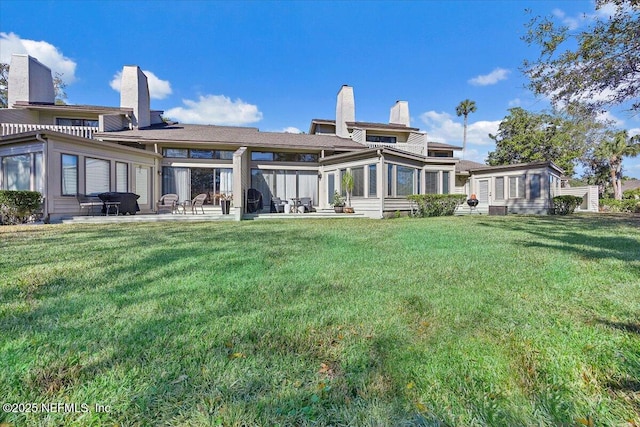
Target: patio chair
[
  {"x": 196, "y": 203},
  {"x": 168, "y": 202},
  {"x": 277, "y": 205},
  {"x": 306, "y": 203},
  {"x": 254, "y": 200}
]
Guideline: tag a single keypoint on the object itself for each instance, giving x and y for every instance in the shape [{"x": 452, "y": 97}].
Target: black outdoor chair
[
  {"x": 277, "y": 205},
  {"x": 306, "y": 203},
  {"x": 254, "y": 200}
]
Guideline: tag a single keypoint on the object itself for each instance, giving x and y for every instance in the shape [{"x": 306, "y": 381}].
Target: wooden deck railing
[{"x": 14, "y": 128}]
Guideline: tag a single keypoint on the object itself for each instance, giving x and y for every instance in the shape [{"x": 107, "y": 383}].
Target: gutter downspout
[
  {"x": 45, "y": 190},
  {"x": 380, "y": 184}
]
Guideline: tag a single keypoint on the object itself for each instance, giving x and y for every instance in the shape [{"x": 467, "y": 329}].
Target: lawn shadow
[{"x": 575, "y": 234}]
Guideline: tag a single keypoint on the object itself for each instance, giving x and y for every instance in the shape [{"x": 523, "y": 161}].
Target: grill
[{"x": 473, "y": 201}]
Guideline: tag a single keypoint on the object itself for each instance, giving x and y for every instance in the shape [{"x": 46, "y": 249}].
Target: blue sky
[{"x": 277, "y": 65}]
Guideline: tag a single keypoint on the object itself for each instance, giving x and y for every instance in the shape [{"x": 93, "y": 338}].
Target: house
[{"x": 64, "y": 150}]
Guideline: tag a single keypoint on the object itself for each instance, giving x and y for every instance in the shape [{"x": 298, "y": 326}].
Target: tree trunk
[{"x": 464, "y": 137}]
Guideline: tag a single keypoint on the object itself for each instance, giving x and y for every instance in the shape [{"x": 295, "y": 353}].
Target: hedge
[
  {"x": 564, "y": 205},
  {"x": 17, "y": 207},
  {"x": 436, "y": 204},
  {"x": 624, "y": 205}
]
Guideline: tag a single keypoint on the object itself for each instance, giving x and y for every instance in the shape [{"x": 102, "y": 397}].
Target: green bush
[
  {"x": 631, "y": 194},
  {"x": 564, "y": 205},
  {"x": 625, "y": 205},
  {"x": 17, "y": 207},
  {"x": 436, "y": 204}
]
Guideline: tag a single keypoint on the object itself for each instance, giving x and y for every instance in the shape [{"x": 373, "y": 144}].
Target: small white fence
[{"x": 14, "y": 128}]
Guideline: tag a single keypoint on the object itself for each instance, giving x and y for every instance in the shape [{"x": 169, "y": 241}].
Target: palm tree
[
  {"x": 465, "y": 108},
  {"x": 613, "y": 150}
]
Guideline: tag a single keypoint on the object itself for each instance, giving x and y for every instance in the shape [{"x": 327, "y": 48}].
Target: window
[
  {"x": 431, "y": 182},
  {"x": 373, "y": 180},
  {"x": 389, "y": 180},
  {"x": 181, "y": 153},
  {"x": 201, "y": 154},
  {"x": 122, "y": 177},
  {"x": 39, "y": 174},
  {"x": 284, "y": 157},
  {"x": 445, "y": 182},
  {"x": 96, "y": 175},
  {"x": 516, "y": 187},
  {"x": 287, "y": 184},
  {"x": 142, "y": 184},
  {"x": 331, "y": 187},
  {"x": 69, "y": 175},
  {"x": 17, "y": 172},
  {"x": 534, "y": 187},
  {"x": 499, "y": 188},
  {"x": 77, "y": 122},
  {"x": 381, "y": 138},
  {"x": 358, "y": 182},
  {"x": 404, "y": 179},
  {"x": 343, "y": 191}
]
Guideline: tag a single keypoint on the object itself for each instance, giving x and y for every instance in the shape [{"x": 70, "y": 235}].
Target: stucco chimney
[
  {"x": 400, "y": 114},
  {"x": 29, "y": 81},
  {"x": 134, "y": 93},
  {"x": 345, "y": 110}
]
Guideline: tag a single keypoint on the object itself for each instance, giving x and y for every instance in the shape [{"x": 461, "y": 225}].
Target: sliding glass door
[{"x": 187, "y": 183}]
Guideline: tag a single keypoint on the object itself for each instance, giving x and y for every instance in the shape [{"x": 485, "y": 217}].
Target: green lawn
[{"x": 459, "y": 321}]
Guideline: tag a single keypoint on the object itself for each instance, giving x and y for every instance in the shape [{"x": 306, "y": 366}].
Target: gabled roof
[{"x": 228, "y": 135}]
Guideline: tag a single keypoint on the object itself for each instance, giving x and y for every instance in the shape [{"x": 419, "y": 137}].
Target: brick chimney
[
  {"x": 29, "y": 81},
  {"x": 134, "y": 93},
  {"x": 345, "y": 111},
  {"x": 400, "y": 114}
]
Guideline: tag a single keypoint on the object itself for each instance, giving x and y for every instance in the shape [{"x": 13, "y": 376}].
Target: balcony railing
[
  {"x": 403, "y": 146},
  {"x": 81, "y": 131}
]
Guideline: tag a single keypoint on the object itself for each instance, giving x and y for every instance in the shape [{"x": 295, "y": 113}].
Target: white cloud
[
  {"x": 291, "y": 129},
  {"x": 490, "y": 79},
  {"x": 158, "y": 89},
  {"x": 215, "y": 110},
  {"x": 634, "y": 131},
  {"x": 44, "y": 52},
  {"x": 515, "y": 102},
  {"x": 441, "y": 127}
]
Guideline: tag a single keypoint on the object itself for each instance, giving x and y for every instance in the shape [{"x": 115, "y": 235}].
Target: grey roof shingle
[{"x": 228, "y": 135}]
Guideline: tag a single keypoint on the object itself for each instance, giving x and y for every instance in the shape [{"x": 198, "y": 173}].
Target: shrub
[
  {"x": 631, "y": 194},
  {"x": 17, "y": 207},
  {"x": 564, "y": 205},
  {"x": 436, "y": 204},
  {"x": 625, "y": 205}
]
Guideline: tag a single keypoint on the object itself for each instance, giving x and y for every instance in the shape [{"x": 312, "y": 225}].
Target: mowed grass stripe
[{"x": 459, "y": 321}]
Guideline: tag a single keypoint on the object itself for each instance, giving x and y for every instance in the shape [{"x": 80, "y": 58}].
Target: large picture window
[
  {"x": 287, "y": 184},
  {"x": 96, "y": 175},
  {"x": 69, "y": 175},
  {"x": 16, "y": 172},
  {"x": 404, "y": 179}
]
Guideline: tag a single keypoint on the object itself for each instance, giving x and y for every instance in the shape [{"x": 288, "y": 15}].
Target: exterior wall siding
[{"x": 589, "y": 196}]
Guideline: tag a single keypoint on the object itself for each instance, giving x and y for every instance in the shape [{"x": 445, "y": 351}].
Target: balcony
[
  {"x": 14, "y": 128},
  {"x": 402, "y": 146}
]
